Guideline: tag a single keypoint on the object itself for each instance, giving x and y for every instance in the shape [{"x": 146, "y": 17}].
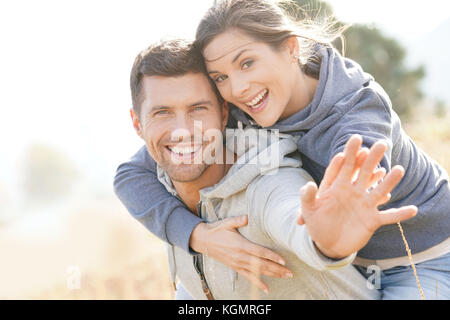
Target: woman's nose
[{"x": 239, "y": 87}]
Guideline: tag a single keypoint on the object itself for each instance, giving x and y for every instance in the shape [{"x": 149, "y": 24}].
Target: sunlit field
[{"x": 96, "y": 250}]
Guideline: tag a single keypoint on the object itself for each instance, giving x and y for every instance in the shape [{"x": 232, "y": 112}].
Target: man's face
[{"x": 170, "y": 107}]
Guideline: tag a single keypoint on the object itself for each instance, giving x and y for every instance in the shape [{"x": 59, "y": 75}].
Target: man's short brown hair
[{"x": 169, "y": 58}]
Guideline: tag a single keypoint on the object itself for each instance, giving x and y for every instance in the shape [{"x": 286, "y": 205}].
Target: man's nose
[{"x": 182, "y": 129}]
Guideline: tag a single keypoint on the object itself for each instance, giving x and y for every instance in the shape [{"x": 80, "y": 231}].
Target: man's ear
[
  {"x": 225, "y": 114},
  {"x": 136, "y": 123}
]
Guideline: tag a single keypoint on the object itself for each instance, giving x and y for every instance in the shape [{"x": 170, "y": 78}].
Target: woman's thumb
[
  {"x": 236, "y": 222},
  {"x": 308, "y": 194}
]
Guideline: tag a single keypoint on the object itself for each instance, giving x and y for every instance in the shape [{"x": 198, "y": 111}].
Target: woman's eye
[
  {"x": 219, "y": 79},
  {"x": 247, "y": 64}
]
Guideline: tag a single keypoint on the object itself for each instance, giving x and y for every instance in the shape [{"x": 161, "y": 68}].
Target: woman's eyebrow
[
  {"x": 232, "y": 61},
  {"x": 238, "y": 55},
  {"x": 230, "y": 51}
]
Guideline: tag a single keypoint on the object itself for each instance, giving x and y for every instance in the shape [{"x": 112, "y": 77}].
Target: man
[{"x": 180, "y": 118}]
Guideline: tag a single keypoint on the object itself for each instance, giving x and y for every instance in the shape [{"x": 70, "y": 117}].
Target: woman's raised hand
[{"x": 342, "y": 214}]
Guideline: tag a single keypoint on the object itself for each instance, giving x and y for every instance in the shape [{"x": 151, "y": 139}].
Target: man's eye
[
  {"x": 161, "y": 113},
  {"x": 199, "y": 108},
  {"x": 247, "y": 64},
  {"x": 219, "y": 79}
]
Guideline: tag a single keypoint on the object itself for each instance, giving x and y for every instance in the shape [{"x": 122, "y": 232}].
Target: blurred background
[{"x": 65, "y": 127}]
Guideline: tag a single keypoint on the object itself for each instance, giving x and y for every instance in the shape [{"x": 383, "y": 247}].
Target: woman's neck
[{"x": 303, "y": 93}]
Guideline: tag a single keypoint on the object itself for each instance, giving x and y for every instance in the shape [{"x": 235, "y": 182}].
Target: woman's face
[{"x": 263, "y": 82}]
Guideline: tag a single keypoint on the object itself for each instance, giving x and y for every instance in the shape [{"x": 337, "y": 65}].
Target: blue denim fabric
[
  {"x": 181, "y": 293},
  {"x": 399, "y": 283}
]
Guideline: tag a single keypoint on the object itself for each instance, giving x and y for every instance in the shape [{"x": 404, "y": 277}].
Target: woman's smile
[{"x": 258, "y": 103}]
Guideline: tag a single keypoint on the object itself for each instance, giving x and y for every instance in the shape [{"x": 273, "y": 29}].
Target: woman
[{"x": 280, "y": 77}]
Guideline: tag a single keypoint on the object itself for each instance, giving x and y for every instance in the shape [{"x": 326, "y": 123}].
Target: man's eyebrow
[
  {"x": 201, "y": 102},
  {"x": 197, "y": 103},
  {"x": 232, "y": 61}
]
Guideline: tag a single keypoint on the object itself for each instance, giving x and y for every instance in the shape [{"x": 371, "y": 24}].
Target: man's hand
[
  {"x": 222, "y": 242},
  {"x": 342, "y": 214}
]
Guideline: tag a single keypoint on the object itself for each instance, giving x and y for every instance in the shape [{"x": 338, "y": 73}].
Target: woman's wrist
[
  {"x": 330, "y": 254},
  {"x": 196, "y": 241}
]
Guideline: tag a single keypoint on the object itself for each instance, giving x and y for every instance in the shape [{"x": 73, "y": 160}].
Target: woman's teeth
[{"x": 257, "y": 100}]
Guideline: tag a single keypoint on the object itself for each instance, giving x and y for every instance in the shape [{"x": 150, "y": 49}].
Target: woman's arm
[
  {"x": 273, "y": 202},
  {"x": 338, "y": 218},
  {"x": 137, "y": 186}
]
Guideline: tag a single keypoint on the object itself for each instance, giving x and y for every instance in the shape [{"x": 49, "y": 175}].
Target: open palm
[{"x": 342, "y": 214}]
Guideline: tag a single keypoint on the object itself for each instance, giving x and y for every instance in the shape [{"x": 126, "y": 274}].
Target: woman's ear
[
  {"x": 293, "y": 47},
  {"x": 136, "y": 123}
]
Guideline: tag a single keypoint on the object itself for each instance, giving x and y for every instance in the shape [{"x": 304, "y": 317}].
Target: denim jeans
[
  {"x": 399, "y": 283},
  {"x": 181, "y": 293}
]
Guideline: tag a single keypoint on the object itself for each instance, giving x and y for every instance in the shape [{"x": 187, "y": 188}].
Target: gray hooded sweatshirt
[{"x": 264, "y": 183}]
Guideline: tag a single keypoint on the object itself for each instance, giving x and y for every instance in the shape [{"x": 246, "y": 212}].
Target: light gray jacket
[{"x": 264, "y": 183}]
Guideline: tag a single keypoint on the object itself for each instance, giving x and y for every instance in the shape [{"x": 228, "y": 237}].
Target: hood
[
  {"x": 339, "y": 79},
  {"x": 259, "y": 152}
]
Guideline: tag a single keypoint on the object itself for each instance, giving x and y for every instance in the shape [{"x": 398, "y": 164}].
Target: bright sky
[
  {"x": 405, "y": 19},
  {"x": 64, "y": 68}
]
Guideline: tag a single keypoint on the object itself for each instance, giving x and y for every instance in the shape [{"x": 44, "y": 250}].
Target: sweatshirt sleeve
[
  {"x": 138, "y": 188},
  {"x": 371, "y": 117},
  {"x": 274, "y": 203}
]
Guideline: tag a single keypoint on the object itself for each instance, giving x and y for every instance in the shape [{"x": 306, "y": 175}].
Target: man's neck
[{"x": 189, "y": 192}]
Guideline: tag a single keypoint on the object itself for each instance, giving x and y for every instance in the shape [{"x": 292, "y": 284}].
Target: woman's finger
[
  {"x": 331, "y": 172},
  {"x": 384, "y": 200},
  {"x": 376, "y": 153},
  {"x": 308, "y": 195},
  {"x": 267, "y": 254},
  {"x": 392, "y": 216},
  {"x": 387, "y": 185},
  {"x": 351, "y": 148},
  {"x": 361, "y": 156},
  {"x": 254, "y": 280},
  {"x": 234, "y": 222},
  {"x": 300, "y": 221},
  {"x": 377, "y": 175},
  {"x": 265, "y": 267}
]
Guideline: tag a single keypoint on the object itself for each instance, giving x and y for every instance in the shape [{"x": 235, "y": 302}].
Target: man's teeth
[
  {"x": 185, "y": 150},
  {"x": 257, "y": 99}
]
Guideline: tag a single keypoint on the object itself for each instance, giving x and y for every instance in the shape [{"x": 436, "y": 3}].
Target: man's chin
[{"x": 185, "y": 173}]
